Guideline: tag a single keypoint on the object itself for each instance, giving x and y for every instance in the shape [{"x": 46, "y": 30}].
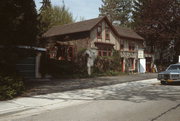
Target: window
[
  {"x": 122, "y": 45},
  {"x": 99, "y": 31},
  {"x": 105, "y": 52},
  {"x": 99, "y": 53},
  {"x": 131, "y": 46},
  {"x": 109, "y": 53},
  {"x": 70, "y": 53},
  {"x": 131, "y": 63},
  {"x": 65, "y": 52},
  {"x": 53, "y": 52},
  {"x": 107, "y": 35}
]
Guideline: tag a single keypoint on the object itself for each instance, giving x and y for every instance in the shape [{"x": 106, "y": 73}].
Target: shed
[{"x": 29, "y": 67}]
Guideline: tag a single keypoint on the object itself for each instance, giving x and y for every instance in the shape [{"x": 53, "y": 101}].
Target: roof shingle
[
  {"x": 127, "y": 33},
  {"x": 72, "y": 28},
  {"x": 87, "y": 25}
]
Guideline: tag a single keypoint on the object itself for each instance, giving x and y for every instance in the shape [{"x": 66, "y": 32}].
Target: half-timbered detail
[
  {"x": 130, "y": 43},
  {"x": 96, "y": 33},
  {"x": 99, "y": 31},
  {"x": 107, "y": 32}
]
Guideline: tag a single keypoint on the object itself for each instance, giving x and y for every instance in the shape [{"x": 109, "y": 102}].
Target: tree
[
  {"x": 45, "y": 4},
  {"x": 158, "y": 25},
  {"x": 52, "y": 16},
  {"x": 81, "y": 18},
  {"x": 18, "y": 23},
  {"x": 117, "y": 10},
  {"x": 61, "y": 15},
  {"x": 44, "y": 16},
  {"x": 18, "y": 26}
]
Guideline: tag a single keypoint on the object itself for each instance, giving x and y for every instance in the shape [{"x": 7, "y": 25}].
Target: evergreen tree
[
  {"x": 117, "y": 11},
  {"x": 18, "y": 23},
  {"x": 45, "y": 16},
  {"x": 158, "y": 22},
  {"x": 45, "y": 4},
  {"x": 18, "y": 26}
]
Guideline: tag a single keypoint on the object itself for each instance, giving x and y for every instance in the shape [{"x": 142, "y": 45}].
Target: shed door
[{"x": 26, "y": 67}]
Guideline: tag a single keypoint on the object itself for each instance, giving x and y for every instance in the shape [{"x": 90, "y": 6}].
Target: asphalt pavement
[
  {"x": 145, "y": 100},
  {"x": 55, "y": 93}
]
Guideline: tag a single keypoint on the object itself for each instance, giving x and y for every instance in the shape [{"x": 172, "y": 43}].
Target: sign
[
  {"x": 91, "y": 56},
  {"x": 142, "y": 65},
  {"x": 140, "y": 53}
]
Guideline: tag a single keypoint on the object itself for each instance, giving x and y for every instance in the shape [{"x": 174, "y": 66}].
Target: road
[{"x": 145, "y": 100}]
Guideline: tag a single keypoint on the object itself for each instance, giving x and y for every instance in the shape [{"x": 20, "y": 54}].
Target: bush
[
  {"x": 64, "y": 68},
  {"x": 10, "y": 87},
  {"x": 108, "y": 64},
  {"x": 78, "y": 67}
]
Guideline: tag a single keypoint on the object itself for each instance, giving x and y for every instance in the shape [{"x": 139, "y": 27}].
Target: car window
[{"x": 174, "y": 67}]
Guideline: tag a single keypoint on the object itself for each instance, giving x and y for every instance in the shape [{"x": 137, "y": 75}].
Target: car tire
[{"x": 163, "y": 82}]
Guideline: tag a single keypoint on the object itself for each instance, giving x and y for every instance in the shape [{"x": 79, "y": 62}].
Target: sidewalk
[{"x": 55, "y": 93}]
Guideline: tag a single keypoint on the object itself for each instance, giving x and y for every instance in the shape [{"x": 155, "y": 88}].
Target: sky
[{"x": 87, "y": 9}]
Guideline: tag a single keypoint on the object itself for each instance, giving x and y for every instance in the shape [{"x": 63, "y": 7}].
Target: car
[{"x": 171, "y": 74}]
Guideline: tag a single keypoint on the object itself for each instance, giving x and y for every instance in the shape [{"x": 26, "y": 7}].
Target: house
[{"x": 65, "y": 41}]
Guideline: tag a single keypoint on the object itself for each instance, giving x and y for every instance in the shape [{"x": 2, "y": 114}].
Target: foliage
[
  {"x": 52, "y": 16},
  {"x": 117, "y": 10},
  {"x": 158, "y": 25},
  {"x": 10, "y": 86},
  {"x": 64, "y": 68},
  {"x": 18, "y": 23},
  {"x": 108, "y": 64},
  {"x": 81, "y": 18},
  {"x": 45, "y": 4},
  {"x": 18, "y": 26},
  {"x": 78, "y": 67}
]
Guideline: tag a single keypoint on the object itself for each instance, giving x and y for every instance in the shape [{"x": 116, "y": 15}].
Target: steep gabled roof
[
  {"x": 127, "y": 33},
  {"x": 88, "y": 25},
  {"x": 82, "y": 26}
]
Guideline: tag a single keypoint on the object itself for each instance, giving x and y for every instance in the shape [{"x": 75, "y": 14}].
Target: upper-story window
[
  {"x": 99, "y": 31},
  {"x": 122, "y": 45},
  {"x": 107, "y": 32},
  {"x": 131, "y": 47}
]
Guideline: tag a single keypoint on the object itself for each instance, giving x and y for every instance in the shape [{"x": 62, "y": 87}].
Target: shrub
[
  {"x": 108, "y": 64},
  {"x": 10, "y": 86},
  {"x": 64, "y": 68}
]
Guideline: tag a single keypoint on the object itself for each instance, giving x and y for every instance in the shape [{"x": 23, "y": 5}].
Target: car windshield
[{"x": 174, "y": 67}]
